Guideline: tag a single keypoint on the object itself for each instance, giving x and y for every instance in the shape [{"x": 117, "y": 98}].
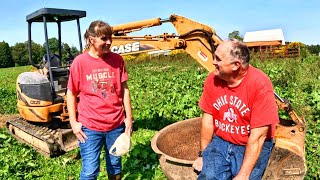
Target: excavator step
[{"x": 49, "y": 142}]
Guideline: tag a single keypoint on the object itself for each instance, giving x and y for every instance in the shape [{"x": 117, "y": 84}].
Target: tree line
[{"x": 18, "y": 54}]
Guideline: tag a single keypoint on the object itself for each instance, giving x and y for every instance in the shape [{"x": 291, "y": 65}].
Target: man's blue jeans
[
  {"x": 91, "y": 149},
  {"x": 222, "y": 160}
]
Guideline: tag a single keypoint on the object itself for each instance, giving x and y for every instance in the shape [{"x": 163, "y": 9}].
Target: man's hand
[
  {"x": 197, "y": 165},
  {"x": 240, "y": 177},
  {"x": 206, "y": 134},
  {"x": 253, "y": 149},
  {"x": 128, "y": 122},
  {"x": 76, "y": 128}
]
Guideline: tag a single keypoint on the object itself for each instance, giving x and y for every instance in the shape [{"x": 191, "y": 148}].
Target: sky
[{"x": 298, "y": 19}]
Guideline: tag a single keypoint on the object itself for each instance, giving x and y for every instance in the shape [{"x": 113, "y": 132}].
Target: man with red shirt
[{"x": 240, "y": 114}]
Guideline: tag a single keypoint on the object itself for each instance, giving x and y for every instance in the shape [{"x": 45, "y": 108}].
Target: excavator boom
[{"x": 196, "y": 39}]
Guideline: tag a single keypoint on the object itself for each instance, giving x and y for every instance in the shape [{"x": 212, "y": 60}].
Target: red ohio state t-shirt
[
  {"x": 98, "y": 83},
  {"x": 237, "y": 110}
]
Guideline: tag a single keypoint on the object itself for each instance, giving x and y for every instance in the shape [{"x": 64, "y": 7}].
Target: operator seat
[
  {"x": 55, "y": 64},
  {"x": 59, "y": 74}
]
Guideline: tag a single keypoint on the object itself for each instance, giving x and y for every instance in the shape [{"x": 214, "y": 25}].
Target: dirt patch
[{"x": 4, "y": 118}]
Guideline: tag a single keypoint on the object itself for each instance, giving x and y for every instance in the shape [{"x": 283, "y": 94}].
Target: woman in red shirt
[{"x": 99, "y": 77}]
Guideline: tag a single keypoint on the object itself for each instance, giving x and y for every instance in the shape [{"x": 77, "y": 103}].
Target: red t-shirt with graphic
[
  {"x": 238, "y": 109},
  {"x": 98, "y": 83}
]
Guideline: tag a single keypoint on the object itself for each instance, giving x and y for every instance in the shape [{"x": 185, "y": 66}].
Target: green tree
[
  {"x": 65, "y": 56},
  {"x": 74, "y": 51},
  {"x": 314, "y": 49},
  {"x": 6, "y": 59},
  {"x": 53, "y": 45},
  {"x": 20, "y": 54},
  {"x": 235, "y": 35},
  {"x": 54, "y": 48},
  {"x": 37, "y": 52},
  {"x": 68, "y": 53}
]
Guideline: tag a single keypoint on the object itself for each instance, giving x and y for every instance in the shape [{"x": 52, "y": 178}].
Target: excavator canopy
[{"x": 54, "y": 15}]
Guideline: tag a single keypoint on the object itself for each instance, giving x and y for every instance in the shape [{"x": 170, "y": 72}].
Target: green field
[{"x": 163, "y": 90}]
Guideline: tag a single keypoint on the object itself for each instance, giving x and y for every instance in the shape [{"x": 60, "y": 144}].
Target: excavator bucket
[{"x": 287, "y": 160}]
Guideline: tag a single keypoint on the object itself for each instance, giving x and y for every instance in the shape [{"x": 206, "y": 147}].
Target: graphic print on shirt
[
  {"x": 102, "y": 82},
  {"x": 234, "y": 109},
  {"x": 230, "y": 116}
]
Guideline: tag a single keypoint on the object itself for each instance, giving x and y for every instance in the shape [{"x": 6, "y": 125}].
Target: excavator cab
[
  {"x": 52, "y": 63},
  {"x": 41, "y": 94}
]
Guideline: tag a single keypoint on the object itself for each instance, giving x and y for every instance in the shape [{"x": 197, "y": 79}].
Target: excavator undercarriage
[{"x": 44, "y": 138}]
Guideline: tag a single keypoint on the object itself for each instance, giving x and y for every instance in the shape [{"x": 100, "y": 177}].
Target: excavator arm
[
  {"x": 196, "y": 39},
  {"x": 287, "y": 160}
]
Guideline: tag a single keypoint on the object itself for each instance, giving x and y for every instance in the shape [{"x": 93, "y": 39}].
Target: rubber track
[{"x": 47, "y": 135}]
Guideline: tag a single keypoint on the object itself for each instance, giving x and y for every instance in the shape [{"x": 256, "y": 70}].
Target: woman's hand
[{"x": 76, "y": 128}]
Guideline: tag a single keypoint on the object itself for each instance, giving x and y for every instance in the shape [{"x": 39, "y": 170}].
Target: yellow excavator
[
  {"x": 41, "y": 94},
  {"x": 44, "y": 118}
]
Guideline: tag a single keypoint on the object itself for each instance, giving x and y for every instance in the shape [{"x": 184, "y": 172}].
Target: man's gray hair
[{"x": 239, "y": 51}]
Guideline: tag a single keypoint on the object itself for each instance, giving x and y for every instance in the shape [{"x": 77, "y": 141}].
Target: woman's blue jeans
[
  {"x": 91, "y": 149},
  {"x": 222, "y": 160}
]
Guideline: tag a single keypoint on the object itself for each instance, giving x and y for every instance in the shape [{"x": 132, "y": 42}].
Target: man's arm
[
  {"x": 206, "y": 134},
  {"x": 75, "y": 125},
  {"x": 252, "y": 153},
  {"x": 127, "y": 107}
]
